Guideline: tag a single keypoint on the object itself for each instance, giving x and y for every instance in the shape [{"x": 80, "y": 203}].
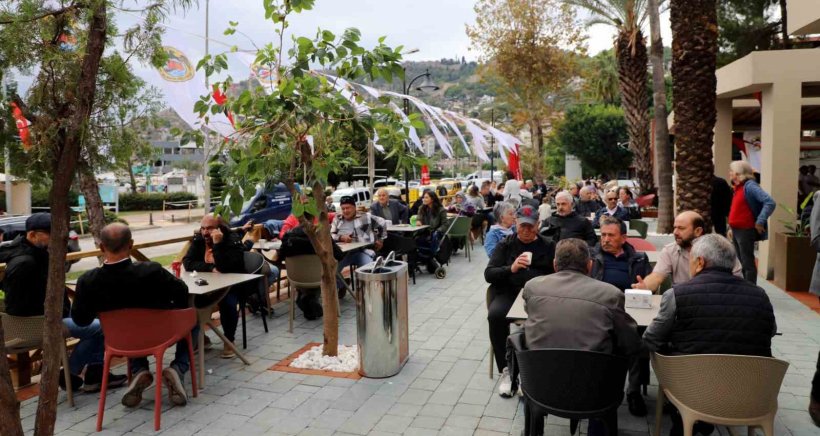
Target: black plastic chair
[
  {"x": 255, "y": 263},
  {"x": 572, "y": 384},
  {"x": 403, "y": 247}
]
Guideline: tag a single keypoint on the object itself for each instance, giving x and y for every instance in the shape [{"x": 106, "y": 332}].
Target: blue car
[{"x": 267, "y": 204}]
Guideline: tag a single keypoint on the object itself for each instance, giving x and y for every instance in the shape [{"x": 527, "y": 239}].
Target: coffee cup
[{"x": 527, "y": 255}]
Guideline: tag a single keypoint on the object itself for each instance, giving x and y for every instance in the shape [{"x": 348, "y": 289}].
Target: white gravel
[{"x": 346, "y": 361}]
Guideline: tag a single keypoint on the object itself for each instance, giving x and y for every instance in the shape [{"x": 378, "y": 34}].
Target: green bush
[
  {"x": 151, "y": 201},
  {"x": 110, "y": 217}
]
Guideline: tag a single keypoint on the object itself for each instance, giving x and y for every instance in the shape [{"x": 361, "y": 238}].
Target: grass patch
[{"x": 162, "y": 260}]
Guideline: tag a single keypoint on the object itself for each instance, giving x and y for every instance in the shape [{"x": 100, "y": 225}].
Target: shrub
[
  {"x": 151, "y": 201},
  {"x": 110, "y": 217}
]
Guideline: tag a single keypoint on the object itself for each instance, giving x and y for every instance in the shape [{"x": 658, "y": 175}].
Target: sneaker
[
  {"x": 93, "y": 379},
  {"x": 208, "y": 344},
  {"x": 140, "y": 382},
  {"x": 637, "y": 406},
  {"x": 227, "y": 352},
  {"x": 505, "y": 384},
  {"x": 76, "y": 381},
  {"x": 176, "y": 391}
]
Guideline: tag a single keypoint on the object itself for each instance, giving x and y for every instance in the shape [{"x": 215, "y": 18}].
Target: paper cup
[{"x": 528, "y": 255}]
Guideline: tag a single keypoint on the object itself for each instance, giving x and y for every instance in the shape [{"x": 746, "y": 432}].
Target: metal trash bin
[{"x": 381, "y": 319}]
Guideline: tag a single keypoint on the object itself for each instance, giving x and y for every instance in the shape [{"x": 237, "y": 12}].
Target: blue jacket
[
  {"x": 760, "y": 203},
  {"x": 494, "y": 236},
  {"x": 398, "y": 211},
  {"x": 621, "y": 213}
]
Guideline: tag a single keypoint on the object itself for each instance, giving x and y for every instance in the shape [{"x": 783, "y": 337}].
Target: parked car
[
  {"x": 268, "y": 203},
  {"x": 12, "y": 227},
  {"x": 361, "y": 195}
]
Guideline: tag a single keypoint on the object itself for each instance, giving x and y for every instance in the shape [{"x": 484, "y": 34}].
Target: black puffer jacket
[
  {"x": 26, "y": 278},
  {"x": 569, "y": 226}
]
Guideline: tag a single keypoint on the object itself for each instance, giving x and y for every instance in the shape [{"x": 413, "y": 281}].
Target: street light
[{"x": 425, "y": 86}]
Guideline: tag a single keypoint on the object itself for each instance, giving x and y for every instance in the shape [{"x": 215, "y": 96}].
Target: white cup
[{"x": 528, "y": 256}]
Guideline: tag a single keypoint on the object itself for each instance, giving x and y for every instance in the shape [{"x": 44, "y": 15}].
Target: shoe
[
  {"x": 208, "y": 344},
  {"x": 227, "y": 352},
  {"x": 814, "y": 411},
  {"x": 637, "y": 406},
  {"x": 140, "y": 382},
  {"x": 93, "y": 379},
  {"x": 176, "y": 391},
  {"x": 317, "y": 308},
  {"x": 505, "y": 384},
  {"x": 76, "y": 381}
]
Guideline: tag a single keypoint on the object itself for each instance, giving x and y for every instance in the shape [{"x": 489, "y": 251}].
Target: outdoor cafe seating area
[{"x": 444, "y": 388}]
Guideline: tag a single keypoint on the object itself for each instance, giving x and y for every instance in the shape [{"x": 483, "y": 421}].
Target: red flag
[
  {"x": 22, "y": 125},
  {"x": 220, "y": 98},
  {"x": 514, "y": 163},
  {"x": 425, "y": 175}
]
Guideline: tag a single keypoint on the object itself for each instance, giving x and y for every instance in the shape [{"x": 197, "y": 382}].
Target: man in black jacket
[
  {"x": 26, "y": 259},
  {"x": 389, "y": 209},
  {"x": 565, "y": 223},
  {"x": 516, "y": 259},
  {"x": 721, "y": 203},
  {"x": 715, "y": 312},
  {"x": 122, "y": 284},
  {"x": 217, "y": 249},
  {"x": 616, "y": 262}
]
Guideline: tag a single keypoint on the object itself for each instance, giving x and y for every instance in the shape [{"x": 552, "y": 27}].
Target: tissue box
[{"x": 639, "y": 298}]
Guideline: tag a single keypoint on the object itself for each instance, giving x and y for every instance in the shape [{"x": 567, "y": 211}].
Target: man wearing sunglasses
[{"x": 611, "y": 209}]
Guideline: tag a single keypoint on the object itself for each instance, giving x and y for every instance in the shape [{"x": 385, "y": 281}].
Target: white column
[
  {"x": 722, "y": 145},
  {"x": 780, "y": 159}
]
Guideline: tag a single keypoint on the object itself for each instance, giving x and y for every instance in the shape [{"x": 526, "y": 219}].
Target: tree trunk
[
  {"x": 93, "y": 201},
  {"x": 632, "y": 77},
  {"x": 784, "y": 30},
  {"x": 663, "y": 150},
  {"x": 537, "y": 140},
  {"x": 131, "y": 176},
  {"x": 694, "y": 50},
  {"x": 64, "y": 161},
  {"x": 10, "y": 423}
]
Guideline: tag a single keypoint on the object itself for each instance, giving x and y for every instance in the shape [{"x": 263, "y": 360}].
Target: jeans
[
  {"x": 228, "y": 313},
  {"x": 181, "y": 360},
  {"x": 357, "y": 258},
  {"x": 90, "y": 350},
  {"x": 744, "y": 241}
]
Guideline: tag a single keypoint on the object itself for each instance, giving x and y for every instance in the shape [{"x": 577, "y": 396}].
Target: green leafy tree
[
  {"x": 303, "y": 128},
  {"x": 600, "y": 74},
  {"x": 593, "y": 134},
  {"x": 62, "y": 45},
  {"x": 746, "y": 26}
]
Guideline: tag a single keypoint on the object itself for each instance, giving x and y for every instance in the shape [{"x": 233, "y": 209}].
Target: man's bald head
[
  {"x": 115, "y": 238},
  {"x": 689, "y": 226},
  {"x": 694, "y": 218}
]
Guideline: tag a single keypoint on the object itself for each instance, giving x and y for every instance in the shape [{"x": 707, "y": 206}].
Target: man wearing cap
[
  {"x": 350, "y": 226},
  {"x": 516, "y": 259},
  {"x": 26, "y": 259}
]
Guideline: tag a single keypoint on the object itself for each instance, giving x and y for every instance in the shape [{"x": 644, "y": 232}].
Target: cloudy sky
[{"x": 434, "y": 27}]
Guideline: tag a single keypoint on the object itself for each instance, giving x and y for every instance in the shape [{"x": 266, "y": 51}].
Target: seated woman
[
  {"x": 433, "y": 214},
  {"x": 461, "y": 206},
  {"x": 626, "y": 200},
  {"x": 505, "y": 217}
]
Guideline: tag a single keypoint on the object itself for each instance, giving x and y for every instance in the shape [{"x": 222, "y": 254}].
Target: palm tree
[
  {"x": 601, "y": 78},
  {"x": 628, "y": 16},
  {"x": 663, "y": 151},
  {"x": 694, "y": 54}
]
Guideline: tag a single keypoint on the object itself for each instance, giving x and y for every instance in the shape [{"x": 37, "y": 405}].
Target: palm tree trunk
[
  {"x": 694, "y": 50},
  {"x": 663, "y": 151},
  {"x": 784, "y": 31},
  {"x": 632, "y": 64}
]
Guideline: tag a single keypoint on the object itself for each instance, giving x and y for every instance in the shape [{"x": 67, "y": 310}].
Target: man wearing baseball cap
[
  {"x": 518, "y": 258},
  {"x": 25, "y": 282}
]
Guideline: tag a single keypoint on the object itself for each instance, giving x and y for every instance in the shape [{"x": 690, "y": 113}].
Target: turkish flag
[
  {"x": 22, "y": 125},
  {"x": 425, "y": 175},
  {"x": 220, "y": 98},
  {"x": 514, "y": 163}
]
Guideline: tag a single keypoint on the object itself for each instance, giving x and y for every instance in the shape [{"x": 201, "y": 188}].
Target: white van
[{"x": 361, "y": 195}]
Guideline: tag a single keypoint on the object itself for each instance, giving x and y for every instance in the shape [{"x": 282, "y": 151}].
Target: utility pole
[
  {"x": 4, "y": 87},
  {"x": 206, "y": 148}
]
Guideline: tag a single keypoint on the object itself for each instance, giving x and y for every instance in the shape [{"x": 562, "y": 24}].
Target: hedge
[{"x": 152, "y": 200}]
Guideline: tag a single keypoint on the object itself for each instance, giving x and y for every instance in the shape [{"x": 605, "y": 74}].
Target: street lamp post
[
  {"x": 492, "y": 143},
  {"x": 426, "y": 85}
]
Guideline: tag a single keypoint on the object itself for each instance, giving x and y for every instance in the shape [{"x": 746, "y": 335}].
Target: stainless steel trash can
[{"x": 381, "y": 319}]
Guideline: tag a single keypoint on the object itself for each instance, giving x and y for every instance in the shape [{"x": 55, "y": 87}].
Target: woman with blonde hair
[{"x": 748, "y": 216}]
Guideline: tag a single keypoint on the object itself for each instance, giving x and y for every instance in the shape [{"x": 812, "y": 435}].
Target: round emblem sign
[{"x": 177, "y": 68}]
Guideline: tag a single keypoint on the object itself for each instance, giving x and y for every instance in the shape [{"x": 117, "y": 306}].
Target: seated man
[
  {"x": 515, "y": 260},
  {"x": 715, "y": 312},
  {"x": 348, "y": 226},
  {"x": 611, "y": 209},
  {"x": 389, "y": 209},
  {"x": 616, "y": 262},
  {"x": 216, "y": 249},
  {"x": 122, "y": 284},
  {"x": 571, "y": 310},
  {"x": 25, "y": 282},
  {"x": 587, "y": 204},
  {"x": 566, "y": 223},
  {"x": 673, "y": 259}
]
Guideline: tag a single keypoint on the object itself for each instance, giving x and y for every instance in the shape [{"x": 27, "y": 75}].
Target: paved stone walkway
[{"x": 443, "y": 390}]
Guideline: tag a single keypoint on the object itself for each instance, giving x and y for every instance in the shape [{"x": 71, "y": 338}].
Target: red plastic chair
[
  {"x": 645, "y": 200},
  {"x": 641, "y": 244},
  {"x": 140, "y": 333}
]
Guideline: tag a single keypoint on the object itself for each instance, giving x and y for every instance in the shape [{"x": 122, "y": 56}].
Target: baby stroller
[{"x": 434, "y": 252}]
